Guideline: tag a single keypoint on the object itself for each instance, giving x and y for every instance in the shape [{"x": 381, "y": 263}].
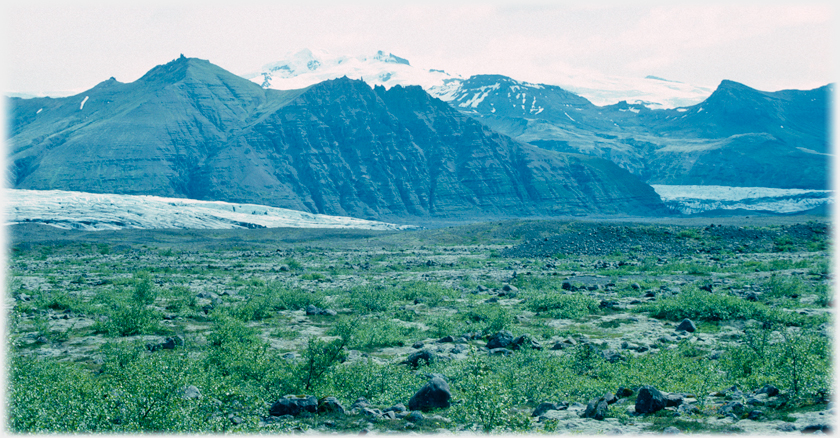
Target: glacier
[
  {"x": 693, "y": 199},
  {"x": 95, "y": 212},
  {"x": 308, "y": 67}
]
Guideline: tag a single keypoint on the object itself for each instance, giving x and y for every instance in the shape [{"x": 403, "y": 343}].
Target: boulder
[
  {"x": 673, "y": 400},
  {"x": 735, "y": 409},
  {"x": 425, "y": 356},
  {"x": 294, "y": 405},
  {"x": 500, "y": 340},
  {"x": 525, "y": 341},
  {"x": 546, "y": 406},
  {"x": 649, "y": 400},
  {"x": 770, "y": 390},
  {"x": 596, "y": 409},
  {"x": 330, "y": 405},
  {"x": 623, "y": 392},
  {"x": 687, "y": 325},
  {"x": 190, "y": 392},
  {"x": 435, "y": 394}
]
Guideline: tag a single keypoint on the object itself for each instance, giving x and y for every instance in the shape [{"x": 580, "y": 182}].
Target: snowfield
[
  {"x": 697, "y": 199},
  {"x": 308, "y": 67},
  {"x": 94, "y": 212}
]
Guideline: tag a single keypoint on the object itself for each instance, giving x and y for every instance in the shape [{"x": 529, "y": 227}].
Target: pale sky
[{"x": 53, "y": 46}]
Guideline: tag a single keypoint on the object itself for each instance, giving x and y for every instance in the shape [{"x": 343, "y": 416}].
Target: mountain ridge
[{"x": 190, "y": 129}]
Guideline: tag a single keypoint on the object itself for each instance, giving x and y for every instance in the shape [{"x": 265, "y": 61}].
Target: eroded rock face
[{"x": 191, "y": 129}]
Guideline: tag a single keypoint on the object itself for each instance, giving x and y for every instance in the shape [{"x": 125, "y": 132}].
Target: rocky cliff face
[
  {"x": 737, "y": 137},
  {"x": 191, "y": 129}
]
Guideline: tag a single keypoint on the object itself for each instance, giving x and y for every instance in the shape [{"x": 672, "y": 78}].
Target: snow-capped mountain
[
  {"x": 96, "y": 211},
  {"x": 307, "y": 67}
]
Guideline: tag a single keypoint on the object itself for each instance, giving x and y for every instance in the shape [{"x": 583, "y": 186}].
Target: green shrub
[
  {"x": 320, "y": 356},
  {"x": 700, "y": 305},
  {"x": 381, "y": 384},
  {"x": 428, "y": 293},
  {"x": 558, "y": 305},
  {"x": 128, "y": 320},
  {"x": 369, "y": 299},
  {"x": 144, "y": 292},
  {"x": 487, "y": 318},
  {"x": 279, "y": 297},
  {"x": 794, "y": 359}
]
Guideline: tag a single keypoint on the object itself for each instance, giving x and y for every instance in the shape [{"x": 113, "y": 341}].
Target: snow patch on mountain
[
  {"x": 652, "y": 92},
  {"x": 307, "y": 67},
  {"x": 94, "y": 212},
  {"x": 692, "y": 199}
]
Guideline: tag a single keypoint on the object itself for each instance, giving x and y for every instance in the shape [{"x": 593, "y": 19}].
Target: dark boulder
[
  {"x": 294, "y": 405},
  {"x": 434, "y": 394},
  {"x": 596, "y": 409},
  {"x": 649, "y": 400},
  {"x": 546, "y": 406},
  {"x": 687, "y": 325},
  {"x": 423, "y": 356},
  {"x": 526, "y": 341},
  {"x": 330, "y": 405},
  {"x": 500, "y": 340},
  {"x": 770, "y": 390}
]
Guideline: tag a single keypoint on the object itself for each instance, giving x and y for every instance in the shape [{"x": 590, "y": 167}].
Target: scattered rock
[
  {"x": 672, "y": 400},
  {"x": 768, "y": 389},
  {"x": 500, "y": 340},
  {"x": 414, "y": 416},
  {"x": 671, "y": 430},
  {"x": 732, "y": 408},
  {"x": 330, "y": 405},
  {"x": 525, "y": 341},
  {"x": 546, "y": 406},
  {"x": 596, "y": 409},
  {"x": 294, "y": 405},
  {"x": 814, "y": 428},
  {"x": 167, "y": 344},
  {"x": 313, "y": 310}
]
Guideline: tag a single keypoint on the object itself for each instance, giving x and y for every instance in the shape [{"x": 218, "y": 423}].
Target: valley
[{"x": 711, "y": 325}]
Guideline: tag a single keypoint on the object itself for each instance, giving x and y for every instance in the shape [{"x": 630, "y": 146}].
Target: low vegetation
[{"x": 203, "y": 335}]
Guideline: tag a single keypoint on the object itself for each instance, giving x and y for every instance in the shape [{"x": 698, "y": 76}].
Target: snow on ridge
[
  {"x": 691, "y": 199},
  {"x": 306, "y": 67},
  {"x": 82, "y": 106},
  {"x": 479, "y": 95},
  {"x": 94, "y": 211}
]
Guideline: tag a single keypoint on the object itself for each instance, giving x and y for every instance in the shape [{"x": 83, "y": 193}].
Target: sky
[{"x": 53, "y": 47}]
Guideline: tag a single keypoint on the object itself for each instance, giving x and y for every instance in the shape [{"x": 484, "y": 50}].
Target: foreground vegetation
[{"x": 194, "y": 335}]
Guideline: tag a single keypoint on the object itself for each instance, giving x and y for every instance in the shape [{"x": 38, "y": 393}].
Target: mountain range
[
  {"x": 193, "y": 130},
  {"x": 734, "y": 136}
]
